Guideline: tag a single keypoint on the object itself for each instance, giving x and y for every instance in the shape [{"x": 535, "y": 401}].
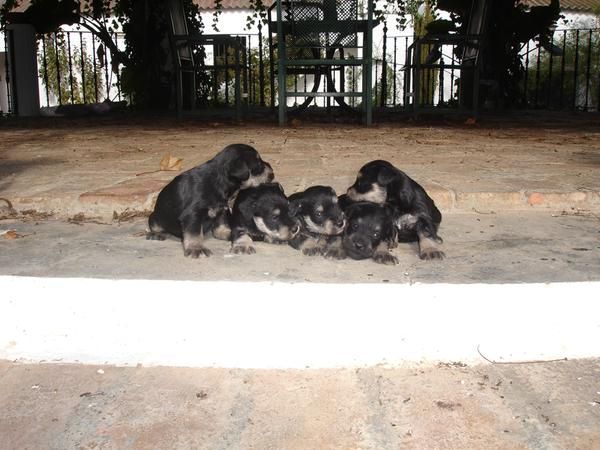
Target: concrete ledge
[
  {"x": 490, "y": 201},
  {"x": 278, "y": 325},
  {"x": 136, "y": 194},
  {"x": 514, "y": 201},
  {"x": 140, "y": 193}
]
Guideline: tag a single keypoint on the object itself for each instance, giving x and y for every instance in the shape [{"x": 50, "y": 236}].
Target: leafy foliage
[
  {"x": 148, "y": 70},
  {"x": 71, "y": 81},
  {"x": 559, "y": 81},
  {"x": 510, "y": 25}
]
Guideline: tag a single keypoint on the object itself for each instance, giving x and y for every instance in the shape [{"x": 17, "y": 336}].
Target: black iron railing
[
  {"x": 566, "y": 74},
  {"x": 75, "y": 67}
]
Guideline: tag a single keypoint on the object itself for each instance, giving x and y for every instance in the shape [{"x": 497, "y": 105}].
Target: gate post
[{"x": 22, "y": 61}]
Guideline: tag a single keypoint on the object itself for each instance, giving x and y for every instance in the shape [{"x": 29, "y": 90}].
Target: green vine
[
  {"x": 217, "y": 13},
  {"x": 258, "y": 16}
]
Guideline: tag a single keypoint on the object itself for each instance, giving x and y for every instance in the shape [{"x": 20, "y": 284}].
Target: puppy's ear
[
  {"x": 344, "y": 201},
  {"x": 238, "y": 169},
  {"x": 391, "y": 210},
  {"x": 385, "y": 176},
  {"x": 296, "y": 206}
]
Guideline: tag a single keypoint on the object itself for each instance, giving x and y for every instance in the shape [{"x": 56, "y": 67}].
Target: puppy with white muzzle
[
  {"x": 320, "y": 216},
  {"x": 262, "y": 213}
]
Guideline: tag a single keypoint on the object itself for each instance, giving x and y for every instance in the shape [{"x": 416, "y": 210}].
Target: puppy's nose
[
  {"x": 359, "y": 245},
  {"x": 340, "y": 223}
]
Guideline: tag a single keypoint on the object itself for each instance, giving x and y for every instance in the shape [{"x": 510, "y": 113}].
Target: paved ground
[
  {"x": 451, "y": 406},
  {"x": 521, "y": 203},
  {"x": 98, "y": 167},
  {"x": 515, "y": 247}
]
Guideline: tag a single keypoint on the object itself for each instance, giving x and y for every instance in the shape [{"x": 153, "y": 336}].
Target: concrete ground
[
  {"x": 521, "y": 204},
  {"x": 521, "y": 200},
  {"x": 99, "y": 167},
  {"x": 554, "y": 405},
  {"x": 503, "y": 247}
]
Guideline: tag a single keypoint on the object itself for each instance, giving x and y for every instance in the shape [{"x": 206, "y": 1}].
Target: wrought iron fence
[
  {"x": 389, "y": 68},
  {"x": 75, "y": 67},
  {"x": 565, "y": 74}
]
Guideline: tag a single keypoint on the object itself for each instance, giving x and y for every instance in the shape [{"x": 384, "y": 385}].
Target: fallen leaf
[
  {"x": 128, "y": 215},
  {"x": 10, "y": 234},
  {"x": 80, "y": 219},
  {"x": 471, "y": 121},
  {"x": 170, "y": 162}
]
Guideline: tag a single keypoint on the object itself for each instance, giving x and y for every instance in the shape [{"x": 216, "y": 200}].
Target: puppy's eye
[
  {"x": 354, "y": 227},
  {"x": 376, "y": 235},
  {"x": 318, "y": 213},
  {"x": 275, "y": 217}
]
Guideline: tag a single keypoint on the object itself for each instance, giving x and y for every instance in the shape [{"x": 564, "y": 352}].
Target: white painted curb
[{"x": 278, "y": 325}]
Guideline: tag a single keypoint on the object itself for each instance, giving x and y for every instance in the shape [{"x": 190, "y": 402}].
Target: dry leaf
[
  {"x": 170, "y": 162},
  {"x": 129, "y": 215},
  {"x": 471, "y": 121},
  {"x": 80, "y": 219},
  {"x": 10, "y": 234}
]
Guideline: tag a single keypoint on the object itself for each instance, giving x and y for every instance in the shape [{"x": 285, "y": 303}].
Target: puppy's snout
[
  {"x": 269, "y": 172},
  {"x": 359, "y": 245}
]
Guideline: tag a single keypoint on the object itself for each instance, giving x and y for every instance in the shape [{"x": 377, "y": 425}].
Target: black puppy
[
  {"x": 369, "y": 233},
  {"x": 261, "y": 213},
  {"x": 194, "y": 203},
  {"x": 320, "y": 217},
  {"x": 417, "y": 217}
]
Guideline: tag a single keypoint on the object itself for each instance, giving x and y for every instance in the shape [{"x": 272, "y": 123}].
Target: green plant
[
  {"x": 510, "y": 24},
  {"x": 149, "y": 74},
  {"x": 70, "y": 81},
  {"x": 561, "y": 81}
]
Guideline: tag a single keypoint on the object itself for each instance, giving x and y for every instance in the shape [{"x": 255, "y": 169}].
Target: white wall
[{"x": 579, "y": 20}]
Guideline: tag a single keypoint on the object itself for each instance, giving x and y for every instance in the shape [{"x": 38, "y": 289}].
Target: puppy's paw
[
  {"x": 313, "y": 251},
  {"x": 430, "y": 254},
  {"x": 222, "y": 232},
  {"x": 243, "y": 249},
  {"x": 385, "y": 258},
  {"x": 335, "y": 253},
  {"x": 155, "y": 236},
  {"x": 196, "y": 251}
]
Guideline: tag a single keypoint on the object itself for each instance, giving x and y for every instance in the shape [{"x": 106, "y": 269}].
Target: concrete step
[
  {"x": 517, "y": 286},
  {"x": 138, "y": 195},
  {"x": 293, "y": 325}
]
